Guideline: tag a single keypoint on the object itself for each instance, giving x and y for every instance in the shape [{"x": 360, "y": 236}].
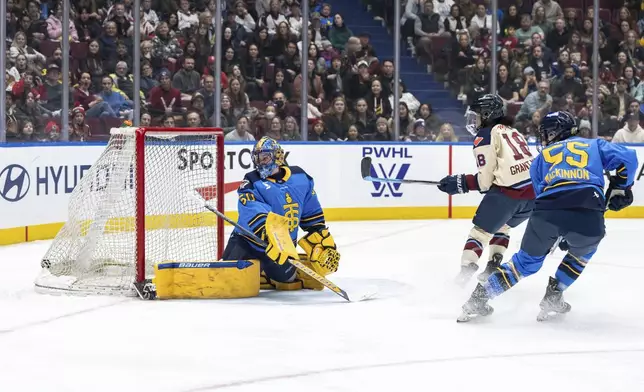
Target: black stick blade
[{"x": 365, "y": 167}]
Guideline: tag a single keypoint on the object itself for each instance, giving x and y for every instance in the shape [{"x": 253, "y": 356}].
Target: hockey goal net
[{"x": 134, "y": 208}]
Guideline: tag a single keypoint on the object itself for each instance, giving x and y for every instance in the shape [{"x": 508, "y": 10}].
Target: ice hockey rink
[{"x": 404, "y": 340}]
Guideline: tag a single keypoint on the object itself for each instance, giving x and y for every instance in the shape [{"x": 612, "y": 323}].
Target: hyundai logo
[{"x": 14, "y": 183}]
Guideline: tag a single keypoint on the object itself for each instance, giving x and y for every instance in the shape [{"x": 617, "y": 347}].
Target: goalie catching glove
[{"x": 322, "y": 251}]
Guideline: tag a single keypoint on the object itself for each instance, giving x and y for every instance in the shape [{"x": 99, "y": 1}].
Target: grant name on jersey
[{"x": 521, "y": 167}]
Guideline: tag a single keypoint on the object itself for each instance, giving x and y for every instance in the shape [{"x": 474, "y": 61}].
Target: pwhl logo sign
[
  {"x": 14, "y": 183},
  {"x": 386, "y": 164}
]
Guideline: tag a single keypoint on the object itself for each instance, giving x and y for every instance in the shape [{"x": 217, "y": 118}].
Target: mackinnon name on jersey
[{"x": 568, "y": 174}]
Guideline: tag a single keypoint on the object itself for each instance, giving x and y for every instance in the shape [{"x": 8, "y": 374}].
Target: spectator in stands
[
  {"x": 455, "y": 22},
  {"x": 446, "y": 134},
  {"x": 339, "y": 33},
  {"x": 419, "y": 133},
  {"x": 321, "y": 133},
  {"x": 187, "y": 80},
  {"x": 123, "y": 80},
  {"x": 315, "y": 88},
  {"x": 432, "y": 120},
  {"x": 568, "y": 84},
  {"x": 146, "y": 120},
  {"x": 631, "y": 132},
  {"x": 406, "y": 121},
  {"x": 377, "y": 102},
  {"x": 353, "y": 135},
  {"x": 292, "y": 130},
  {"x": 165, "y": 99},
  {"x": 426, "y": 26},
  {"x": 51, "y": 91},
  {"x": 275, "y": 128},
  {"x": 241, "y": 132},
  {"x": 55, "y": 25},
  {"x": 558, "y": 37},
  {"x": 19, "y": 47},
  {"x": 478, "y": 82},
  {"x": 166, "y": 48},
  {"x": 405, "y": 96},
  {"x": 120, "y": 104},
  {"x": 78, "y": 130},
  {"x": 238, "y": 98},
  {"x": 617, "y": 104},
  {"x": 540, "y": 100},
  {"x": 413, "y": 9},
  {"x": 92, "y": 105},
  {"x": 364, "y": 120},
  {"x": 551, "y": 8},
  {"x": 463, "y": 56},
  {"x": 524, "y": 34},
  {"x": 337, "y": 118},
  {"x": 506, "y": 87},
  {"x": 510, "y": 19}
]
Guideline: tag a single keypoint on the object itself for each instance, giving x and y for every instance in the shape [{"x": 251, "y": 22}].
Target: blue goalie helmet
[
  {"x": 555, "y": 127},
  {"x": 268, "y": 155}
]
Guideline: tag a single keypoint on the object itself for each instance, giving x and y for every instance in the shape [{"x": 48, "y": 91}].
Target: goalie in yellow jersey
[{"x": 274, "y": 187}]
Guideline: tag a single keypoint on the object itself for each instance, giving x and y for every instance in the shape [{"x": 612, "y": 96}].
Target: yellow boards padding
[{"x": 216, "y": 279}]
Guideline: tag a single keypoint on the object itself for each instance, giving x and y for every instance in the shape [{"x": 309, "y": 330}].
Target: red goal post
[
  {"x": 134, "y": 209},
  {"x": 141, "y": 134}
]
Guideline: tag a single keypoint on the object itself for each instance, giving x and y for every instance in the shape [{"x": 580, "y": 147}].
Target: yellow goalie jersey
[{"x": 503, "y": 159}]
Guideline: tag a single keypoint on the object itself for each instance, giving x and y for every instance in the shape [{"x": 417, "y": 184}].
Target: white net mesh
[{"x": 96, "y": 252}]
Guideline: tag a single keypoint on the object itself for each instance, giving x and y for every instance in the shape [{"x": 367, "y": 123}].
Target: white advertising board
[{"x": 36, "y": 182}]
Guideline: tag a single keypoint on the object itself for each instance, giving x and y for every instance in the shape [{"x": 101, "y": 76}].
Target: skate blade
[
  {"x": 549, "y": 315},
  {"x": 467, "y": 317}
]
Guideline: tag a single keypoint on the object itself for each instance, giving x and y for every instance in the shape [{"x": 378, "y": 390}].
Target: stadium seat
[{"x": 48, "y": 47}]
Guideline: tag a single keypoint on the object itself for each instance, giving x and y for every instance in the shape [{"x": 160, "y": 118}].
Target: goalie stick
[
  {"x": 365, "y": 168},
  {"x": 296, "y": 263}
]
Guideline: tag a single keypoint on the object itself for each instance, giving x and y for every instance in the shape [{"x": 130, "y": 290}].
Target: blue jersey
[
  {"x": 290, "y": 193},
  {"x": 578, "y": 164}
]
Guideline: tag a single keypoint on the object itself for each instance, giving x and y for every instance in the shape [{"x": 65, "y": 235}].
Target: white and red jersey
[{"x": 503, "y": 159}]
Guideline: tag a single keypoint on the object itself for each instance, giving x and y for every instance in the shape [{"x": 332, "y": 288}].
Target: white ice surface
[{"x": 406, "y": 340}]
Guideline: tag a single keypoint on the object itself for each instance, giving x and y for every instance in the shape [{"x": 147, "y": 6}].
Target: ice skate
[
  {"x": 476, "y": 306},
  {"x": 466, "y": 273},
  {"x": 491, "y": 266},
  {"x": 552, "y": 303}
]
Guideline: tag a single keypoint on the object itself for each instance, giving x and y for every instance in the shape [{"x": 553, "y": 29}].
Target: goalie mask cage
[{"x": 133, "y": 209}]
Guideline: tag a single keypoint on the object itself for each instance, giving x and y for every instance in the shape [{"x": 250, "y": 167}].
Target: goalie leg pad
[
  {"x": 216, "y": 279},
  {"x": 476, "y": 241},
  {"x": 308, "y": 282},
  {"x": 321, "y": 250}
]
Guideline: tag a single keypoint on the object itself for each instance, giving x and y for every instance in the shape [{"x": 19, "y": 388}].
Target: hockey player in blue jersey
[
  {"x": 568, "y": 179},
  {"x": 288, "y": 191}
]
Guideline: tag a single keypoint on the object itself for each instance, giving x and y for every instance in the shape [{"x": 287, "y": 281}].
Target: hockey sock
[
  {"x": 474, "y": 245},
  {"x": 570, "y": 268},
  {"x": 500, "y": 241},
  {"x": 502, "y": 279}
]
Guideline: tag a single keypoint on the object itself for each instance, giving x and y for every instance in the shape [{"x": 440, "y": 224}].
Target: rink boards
[{"x": 36, "y": 182}]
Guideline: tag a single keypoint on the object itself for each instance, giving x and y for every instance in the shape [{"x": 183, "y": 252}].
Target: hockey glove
[
  {"x": 321, "y": 250},
  {"x": 618, "y": 199},
  {"x": 458, "y": 183}
]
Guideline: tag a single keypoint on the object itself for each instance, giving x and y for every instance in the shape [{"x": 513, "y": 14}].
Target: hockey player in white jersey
[{"x": 503, "y": 160}]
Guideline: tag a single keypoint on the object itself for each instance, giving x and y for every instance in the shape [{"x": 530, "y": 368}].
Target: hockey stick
[
  {"x": 365, "y": 168},
  {"x": 296, "y": 263}
]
